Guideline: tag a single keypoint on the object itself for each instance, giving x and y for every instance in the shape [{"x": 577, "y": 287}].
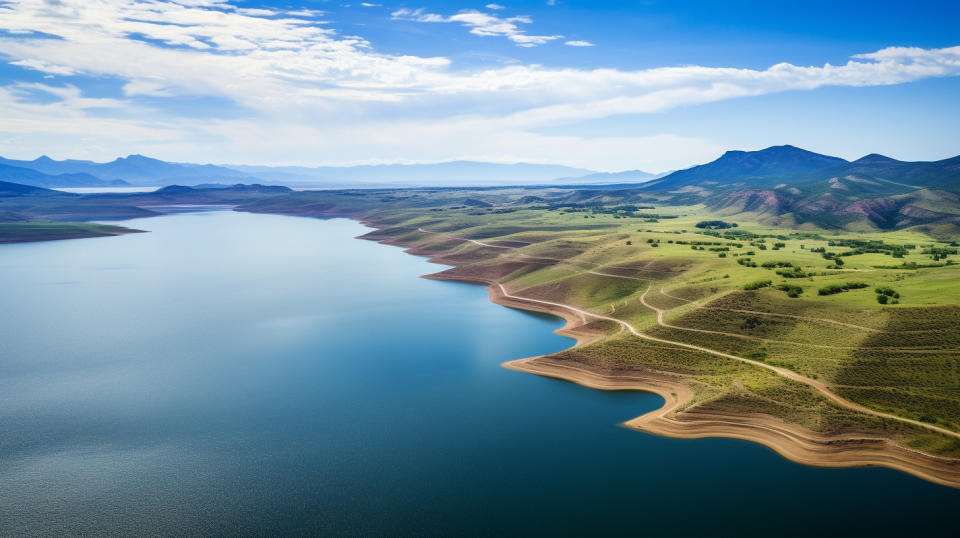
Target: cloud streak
[{"x": 482, "y": 24}]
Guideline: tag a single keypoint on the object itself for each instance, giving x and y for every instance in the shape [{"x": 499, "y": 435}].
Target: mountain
[
  {"x": 133, "y": 169},
  {"x": 146, "y": 170},
  {"x": 798, "y": 170},
  {"x": 751, "y": 168},
  {"x": 27, "y": 176},
  {"x": 453, "y": 173},
  {"x": 945, "y": 173}
]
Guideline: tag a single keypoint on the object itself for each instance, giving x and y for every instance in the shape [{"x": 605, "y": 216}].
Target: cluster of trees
[
  {"x": 757, "y": 284},
  {"x": 863, "y": 246},
  {"x": 793, "y": 272},
  {"x": 716, "y": 224},
  {"x": 839, "y": 288},
  {"x": 682, "y": 242},
  {"x": 939, "y": 253}
]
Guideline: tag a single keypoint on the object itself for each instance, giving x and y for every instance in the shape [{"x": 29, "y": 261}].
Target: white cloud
[
  {"x": 578, "y": 43},
  {"x": 303, "y": 92},
  {"x": 39, "y": 65},
  {"x": 482, "y": 24},
  {"x": 495, "y": 7}
]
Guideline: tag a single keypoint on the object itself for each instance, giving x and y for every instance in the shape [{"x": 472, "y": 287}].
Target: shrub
[
  {"x": 757, "y": 284},
  {"x": 792, "y": 291},
  {"x": 888, "y": 291}
]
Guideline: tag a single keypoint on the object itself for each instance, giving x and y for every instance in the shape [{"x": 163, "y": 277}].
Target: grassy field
[{"x": 872, "y": 314}]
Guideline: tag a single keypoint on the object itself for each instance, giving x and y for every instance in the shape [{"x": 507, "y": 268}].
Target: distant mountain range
[
  {"x": 790, "y": 185},
  {"x": 138, "y": 170},
  {"x": 782, "y": 185},
  {"x": 130, "y": 170},
  {"x": 27, "y": 176},
  {"x": 448, "y": 174}
]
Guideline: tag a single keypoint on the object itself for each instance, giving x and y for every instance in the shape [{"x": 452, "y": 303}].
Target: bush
[
  {"x": 757, "y": 284},
  {"x": 890, "y": 292},
  {"x": 792, "y": 291},
  {"x": 882, "y": 299}
]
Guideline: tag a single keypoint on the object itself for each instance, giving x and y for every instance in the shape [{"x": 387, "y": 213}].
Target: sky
[{"x": 649, "y": 85}]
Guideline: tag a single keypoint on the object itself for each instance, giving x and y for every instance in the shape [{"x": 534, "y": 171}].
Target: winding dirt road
[{"x": 789, "y": 374}]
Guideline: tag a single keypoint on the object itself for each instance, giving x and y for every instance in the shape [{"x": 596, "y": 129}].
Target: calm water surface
[{"x": 232, "y": 373}]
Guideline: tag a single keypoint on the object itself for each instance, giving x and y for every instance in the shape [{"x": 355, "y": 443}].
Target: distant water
[{"x": 233, "y": 373}]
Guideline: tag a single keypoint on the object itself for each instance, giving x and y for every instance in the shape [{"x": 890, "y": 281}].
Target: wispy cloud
[
  {"x": 495, "y": 6},
  {"x": 298, "y": 88},
  {"x": 578, "y": 43},
  {"x": 482, "y": 24}
]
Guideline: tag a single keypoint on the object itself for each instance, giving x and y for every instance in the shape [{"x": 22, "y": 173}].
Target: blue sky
[{"x": 602, "y": 85}]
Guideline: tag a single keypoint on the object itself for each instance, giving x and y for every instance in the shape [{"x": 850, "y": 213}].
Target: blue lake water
[{"x": 232, "y": 373}]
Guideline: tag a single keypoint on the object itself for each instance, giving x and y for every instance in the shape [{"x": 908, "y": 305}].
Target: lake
[{"x": 232, "y": 373}]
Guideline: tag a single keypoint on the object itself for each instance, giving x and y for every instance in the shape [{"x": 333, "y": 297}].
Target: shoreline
[{"x": 790, "y": 441}]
